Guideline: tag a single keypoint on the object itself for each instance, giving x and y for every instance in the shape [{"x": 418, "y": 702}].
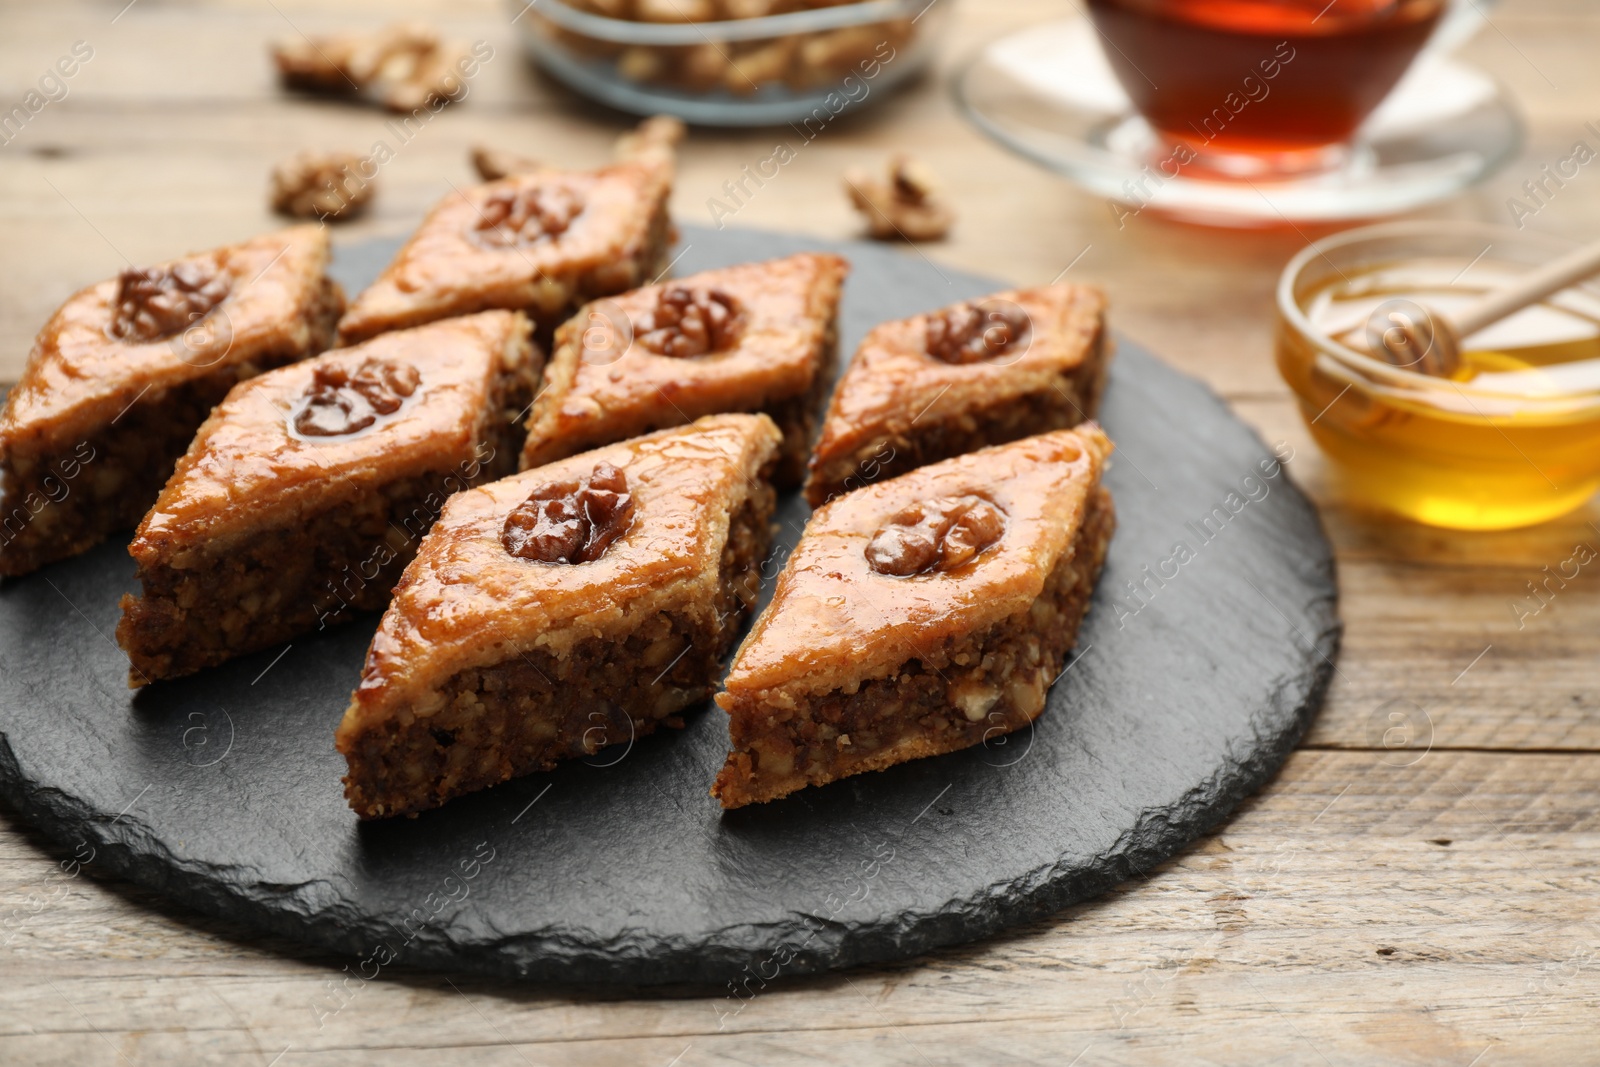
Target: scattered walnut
[
  {"x": 937, "y": 535},
  {"x": 320, "y": 185},
  {"x": 572, "y": 521},
  {"x": 338, "y": 402},
  {"x": 404, "y": 66},
  {"x": 492, "y": 164},
  {"x": 512, "y": 218},
  {"x": 971, "y": 333},
  {"x": 157, "y": 302},
  {"x": 657, "y": 137},
  {"x": 906, "y": 203},
  {"x": 690, "y": 322}
]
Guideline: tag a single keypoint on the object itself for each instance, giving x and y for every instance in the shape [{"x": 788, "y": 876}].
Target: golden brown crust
[
  {"x": 898, "y": 407},
  {"x": 90, "y": 433},
  {"x": 615, "y": 243},
  {"x": 79, "y": 378},
  {"x": 466, "y": 603},
  {"x": 783, "y": 354},
  {"x": 264, "y": 531},
  {"x": 248, "y": 450}
]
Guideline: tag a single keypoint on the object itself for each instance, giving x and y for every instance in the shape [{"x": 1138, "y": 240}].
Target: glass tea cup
[{"x": 1265, "y": 89}]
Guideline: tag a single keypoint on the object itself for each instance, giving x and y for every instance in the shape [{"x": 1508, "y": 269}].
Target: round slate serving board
[{"x": 222, "y": 790}]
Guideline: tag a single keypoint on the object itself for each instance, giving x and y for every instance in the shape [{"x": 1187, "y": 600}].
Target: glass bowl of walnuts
[{"x": 733, "y": 62}]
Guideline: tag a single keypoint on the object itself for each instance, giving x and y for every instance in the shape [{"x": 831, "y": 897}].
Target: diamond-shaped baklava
[
  {"x": 542, "y": 243},
  {"x": 308, "y": 490},
  {"x": 755, "y": 337},
  {"x": 126, "y": 371},
  {"x": 570, "y": 607},
  {"x": 981, "y": 373},
  {"x": 919, "y": 615}
]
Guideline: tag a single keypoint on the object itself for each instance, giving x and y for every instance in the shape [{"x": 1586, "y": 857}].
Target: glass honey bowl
[{"x": 1511, "y": 439}]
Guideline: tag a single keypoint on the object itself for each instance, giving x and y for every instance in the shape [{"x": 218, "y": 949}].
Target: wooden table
[{"x": 1438, "y": 905}]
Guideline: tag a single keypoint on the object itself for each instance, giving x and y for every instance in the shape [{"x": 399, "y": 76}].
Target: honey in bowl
[{"x": 1511, "y": 439}]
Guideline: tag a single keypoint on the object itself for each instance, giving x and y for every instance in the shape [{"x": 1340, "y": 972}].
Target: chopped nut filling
[
  {"x": 571, "y": 521},
  {"x": 971, "y": 333},
  {"x": 937, "y": 535},
  {"x": 157, "y": 302},
  {"x": 338, "y": 402},
  {"x": 513, "y": 218},
  {"x": 691, "y": 322}
]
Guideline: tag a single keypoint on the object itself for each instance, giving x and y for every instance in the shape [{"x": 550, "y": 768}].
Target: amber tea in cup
[{"x": 1261, "y": 87}]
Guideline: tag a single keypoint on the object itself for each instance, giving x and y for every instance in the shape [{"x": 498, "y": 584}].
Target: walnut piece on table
[
  {"x": 907, "y": 202},
  {"x": 403, "y": 66},
  {"x": 320, "y": 185}
]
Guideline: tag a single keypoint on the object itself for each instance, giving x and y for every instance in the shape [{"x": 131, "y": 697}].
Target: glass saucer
[{"x": 1049, "y": 94}]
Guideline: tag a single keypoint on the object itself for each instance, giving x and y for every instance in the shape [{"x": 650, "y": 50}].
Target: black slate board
[{"x": 222, "y": 790}]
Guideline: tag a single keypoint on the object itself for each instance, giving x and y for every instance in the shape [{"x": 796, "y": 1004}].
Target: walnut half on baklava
[
  {"x": 310, "y": 487},
  {"x": 964, "y": 377},
  {"x": 126, "y": 371},
  {"x": 919, "y": 615},
  {"x": 548, "y": 615}
]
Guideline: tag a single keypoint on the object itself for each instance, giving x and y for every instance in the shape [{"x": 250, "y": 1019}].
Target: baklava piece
[
  {"x": 757, "y": 337},
  {"x": 126, "y": 371},
  {"x": 542, "y": 242},
  {"x": 551, "y": 614},
  {"x": 965, "y": 377},
  {"x": 919, "y": 616},
  {"x": 309, "y": 489}
]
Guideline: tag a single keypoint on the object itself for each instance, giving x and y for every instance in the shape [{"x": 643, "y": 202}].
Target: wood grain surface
[{"x": 1419, "y": 885}]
